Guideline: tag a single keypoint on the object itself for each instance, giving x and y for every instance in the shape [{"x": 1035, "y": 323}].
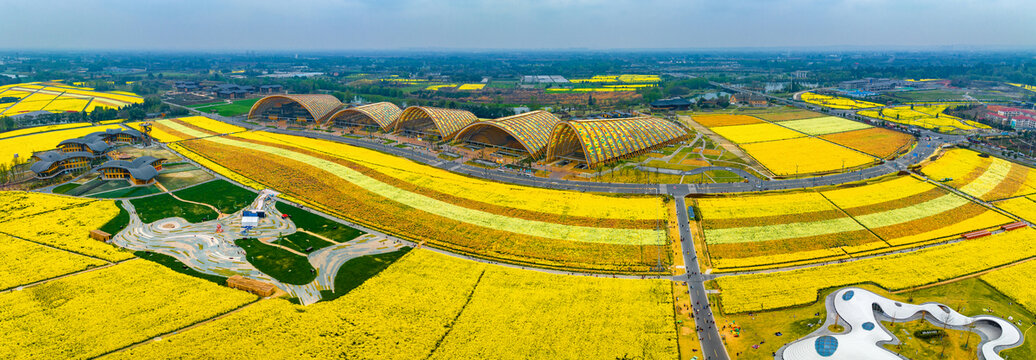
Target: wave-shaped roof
[
  {"x": 382, "y": 113},
  {"x": 602, "y": 140},
  {"x": 447, "y": 121},
  {"x": 319, "y": 106},
  {"x": 531, "y": 129}
]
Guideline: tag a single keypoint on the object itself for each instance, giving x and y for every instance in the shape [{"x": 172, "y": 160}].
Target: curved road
[{"x": 711, "y": 342}]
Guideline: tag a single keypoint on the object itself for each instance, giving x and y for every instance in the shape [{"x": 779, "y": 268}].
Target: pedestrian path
[{"x": 208, "y": 247}]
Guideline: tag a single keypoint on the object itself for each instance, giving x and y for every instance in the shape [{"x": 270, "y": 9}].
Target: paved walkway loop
[{"x": 202, "y": 248}]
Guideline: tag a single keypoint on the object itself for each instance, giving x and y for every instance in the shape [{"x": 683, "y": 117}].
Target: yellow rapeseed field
[
  {"x": 26, "y": 262},
  {"x": 39, "y": 129},
  {"x": 824, "y": 125},
  {"x": 24, "y": 146},
  {"x": 1015, "y": 282},
  {"x": 805, "y": 156},
  {"x": 215, "y": 126},
  {"x": 929, "y": 117},
  {"x": 767, "y": 291},
  {"x": 60, "y": 221},
  {"x": 431, "y": 305},
  {"x": 507, "y": 195},
  {"x": 92, "y": 313},
  {"x": 835, "y": 102},
  {"x": 1023, "y": 207},
  {"x": 987, "y": 178},
  {"x": 471, "y": 87},
  {"x": 753, "y": 133}
]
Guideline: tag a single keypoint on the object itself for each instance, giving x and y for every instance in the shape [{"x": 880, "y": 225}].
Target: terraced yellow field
[
  {"x": 988, "y": 178},
  {"x": 805, "y": 156},
  {"x": 745, "y": 231},
  {"x": 753, "y": 133}
]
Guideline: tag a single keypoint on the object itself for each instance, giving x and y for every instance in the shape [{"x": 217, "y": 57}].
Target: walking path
[{"x": 328, "y": 260}]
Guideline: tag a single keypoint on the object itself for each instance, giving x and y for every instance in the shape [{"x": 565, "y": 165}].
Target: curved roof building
[
  {"x": 298, "y": 107},
  {"x": 440, "y": 122},
  {"x": 601, "y": 140},
  {"x": 382, "y": 114},
  {"x": 529, "y": 132},
  {"x": 140, "y": 171},
  {"x": 53, "y": 163}
]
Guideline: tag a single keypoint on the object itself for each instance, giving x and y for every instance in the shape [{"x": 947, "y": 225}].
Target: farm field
[
  {"x": 753, "y": 133},
  {"x": 57, "y": 98},
  {"x": 747, "y": 231},
  {"x": 92, "y": 313},
  {"x": 1023, "y": 207},
  {"x": 776, "y": 290},
  {"x": 879, "y": 142},
  {"x": 430, "y": 305},
  {"x": 928, "y": 117},
  {"x": 501, "y": 221},
  {"x": 836, "y": 102},
  {"x": 1015, "y": 282},
  {"x": 987, "y": 178},
  {"x": 793, "y": 114},
  {"x": 716, "y": 120},
  {"x": 59, "y": 221},
  {"x": 39, "y": 129},
  {"x": 824, "y": 125},
  {"x": 805, "y": 156},
  {"x": 26, "y": 262},
  {"x": 24, "y": 146}
]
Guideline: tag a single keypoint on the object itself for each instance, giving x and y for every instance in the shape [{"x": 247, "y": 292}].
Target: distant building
[
  {"x": 871, "y": 84},
  {"x": 676, "y": 103},
  {"x": 186, "y": 86},
  {"x": 747, "y": 99}
]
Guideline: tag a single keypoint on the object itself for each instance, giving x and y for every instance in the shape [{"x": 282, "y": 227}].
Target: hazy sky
[{"x": 511, "y": 24}]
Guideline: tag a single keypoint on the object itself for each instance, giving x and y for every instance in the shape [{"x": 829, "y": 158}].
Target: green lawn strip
[
  {"x": 301, "y": 241},
  {"x": 182, "y": 179},
  {"x": 232, "y": 109},
  {"x": 318, "y": 224},
  {"x": 65, "y": 188},
  {"x": 163, "y": 206},
  {"x": 226, "y": 197},
  {"x": 355, "y": 271},
  {"x": 117, "y": 223},
  {"x": 283, "y": 265},
  {"x": 130, "y": 191},
  {"x": 176, "y": 265}
]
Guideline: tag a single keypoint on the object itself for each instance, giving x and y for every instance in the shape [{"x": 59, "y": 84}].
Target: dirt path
[
  {"x": 218, "y": 213},
  {"x": 726, "y": 145},
  {"x": 180, "y": 330},
  {"x": 318, "y": 236}
]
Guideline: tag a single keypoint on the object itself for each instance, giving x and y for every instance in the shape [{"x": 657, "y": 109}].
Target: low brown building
[
  {"x": 100, "y": 235},
  {"x": 251, "y": 285}
]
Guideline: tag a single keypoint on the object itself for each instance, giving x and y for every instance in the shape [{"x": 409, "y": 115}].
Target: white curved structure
[{"x": 861, "y": 312}]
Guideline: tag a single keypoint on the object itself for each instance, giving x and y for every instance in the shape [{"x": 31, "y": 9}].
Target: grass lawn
[
  {"x": 969, "y": 297},
  {"x": 318, "y": 224},
  {"x": 117, "y": 223},
  {"x": 176, "y": 265},
  {"x": 65, "y": 188},
  {"x": 154, "y": 208},
  {"x": 222, "y": 194},
  {"x": 129, "y": 191},
  {"x": 301, "y": 241},
  {"x": 107, "y": 185},
  {"x": 181, "y": 179},
  {"x": 233, "y": 109},
  {"x": 281, "y": 264},
  {"x": 355, "y": 271}
]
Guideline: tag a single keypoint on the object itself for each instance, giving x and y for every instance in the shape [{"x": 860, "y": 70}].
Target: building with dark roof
[
  {"x": 141, "y": 171},
  {"x": 78, "y": 154},
  {"x": 53, "y": 163},
  {"x": 675, "y": 103}
]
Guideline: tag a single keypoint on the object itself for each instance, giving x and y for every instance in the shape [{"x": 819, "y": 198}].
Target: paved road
[{"x": 711, "y": 344}]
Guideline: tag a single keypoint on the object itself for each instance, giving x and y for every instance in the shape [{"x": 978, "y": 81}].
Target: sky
[{"x": 235, "y": 25}]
